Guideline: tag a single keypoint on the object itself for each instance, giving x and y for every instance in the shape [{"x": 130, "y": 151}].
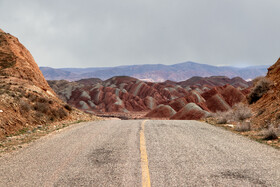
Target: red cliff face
[
  {"x": 16, "y": 61},
  {"x": 267, "y": 108},
  {"x": 26, "y": 99}
]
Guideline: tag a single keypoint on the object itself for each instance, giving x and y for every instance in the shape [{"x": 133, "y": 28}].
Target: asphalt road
[{"x": 138, "y": 153}]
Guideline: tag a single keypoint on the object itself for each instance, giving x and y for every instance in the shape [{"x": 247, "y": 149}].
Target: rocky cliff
[
  {"x": 267, "y": 108},
  {"x": 26, "y": 99}
]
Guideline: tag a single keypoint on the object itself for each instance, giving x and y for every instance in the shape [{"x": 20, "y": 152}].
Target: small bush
[
  {"x": 277, "y": 116},
  {"x": 271, "y": 133},
  {"x": 62, "y": 113},
  {"x": 24, "y": 107},
  {"x": 52, "y": 118},
  {"x": 39, "y": 114},
  {"x": 2, "y": 91},
  {"x": 241, "y": 112},
  {"x": 67, "y": 107},
  {"x": 257, "y": 79},
  {"x": 54, "y": 113},
  {"x": 41, "y": 107},
  {"x": 7, "y": 63},
  {"x": 223, "y": 117},
  {"x": 32, "y": 97},
  {"x": 260, "y": 112},
  {"x": 260, "y": 88},
  {"x": 42, "y": 100},
  {"x": 243, "y": 127}
]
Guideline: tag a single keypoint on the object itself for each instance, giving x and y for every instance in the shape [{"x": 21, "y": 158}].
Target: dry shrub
[
  {"x": 277, "y": 116},
  {"x": 260, "y": 112},
  {"x": 243, "y": 127},
  {"x": 32, "y": 97},
  {"x": 223, "y": 117},
  {"x": 42, "y": 100},
  {"x": 68, "y": 107},
  {"x": 39, "y": 115},
  {"x": 241, "y": 112},
  {"x": 257, "y": 79},
  {"x": 261, "y": 87},
  {"x": 24, "y": 107},
  {"x": 2, "y": 91},
  {"x": 54, "y": 114},
  {"x": 41, "y": 107},
  {"x": 271, "y": 133},
  {"x": 62, "y": 113}
]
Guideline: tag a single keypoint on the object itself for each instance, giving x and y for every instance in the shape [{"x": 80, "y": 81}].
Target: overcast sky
[{"x": 96, "y": 33}]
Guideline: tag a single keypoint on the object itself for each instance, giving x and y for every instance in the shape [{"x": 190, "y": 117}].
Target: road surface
[{"x": 142, "y": 153}]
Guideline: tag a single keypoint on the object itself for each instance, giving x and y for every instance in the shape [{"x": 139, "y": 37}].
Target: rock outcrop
[
  {"x": 162, "y": 111},
  {"x": 191, "y": 111},
  {"x": 222, "y": 98},
  {"x": 267, "y": 108},
  {"x": 26, "y": 99},
  {"x": 17, "y": 62}
]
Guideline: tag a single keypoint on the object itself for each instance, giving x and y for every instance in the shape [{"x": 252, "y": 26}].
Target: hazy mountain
[{"x": 155, "y": 72}]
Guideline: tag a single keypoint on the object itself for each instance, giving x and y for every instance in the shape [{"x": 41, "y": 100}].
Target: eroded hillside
[
  {"x": 170, "y": 100},
  {"x": 267, "y": 108},
  {"x": 25, "y": 97}
]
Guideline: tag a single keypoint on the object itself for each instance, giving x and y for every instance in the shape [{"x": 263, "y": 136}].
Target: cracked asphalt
[{"x": 107, "y": 153}]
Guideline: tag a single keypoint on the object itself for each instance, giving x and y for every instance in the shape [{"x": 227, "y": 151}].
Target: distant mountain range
[{"x": 155, "y": 72}]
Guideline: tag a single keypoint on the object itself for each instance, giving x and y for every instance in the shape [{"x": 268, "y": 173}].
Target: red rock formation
[
  {"x": 128, "y": 94},
  {"x": 178, "y": 104},
  {"x": 231, "y": 95},
  {"x": 118, "y": 94},
  {"x": 16, "y": 61},
  {"x": 222, "y": 98},
  {"x": 26, "y": 100},
  {"x": 267, "y": 108},
  {"x": 190, "y": 112},
  {"x": 214, "y": 81},
  {"x": 162, "y": 111}
]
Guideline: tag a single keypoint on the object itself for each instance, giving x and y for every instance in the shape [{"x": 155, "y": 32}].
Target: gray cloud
[{"x": 120, "y": 32}]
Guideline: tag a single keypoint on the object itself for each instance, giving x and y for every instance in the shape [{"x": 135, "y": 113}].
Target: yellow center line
[{"x": 144, "y": 158}]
